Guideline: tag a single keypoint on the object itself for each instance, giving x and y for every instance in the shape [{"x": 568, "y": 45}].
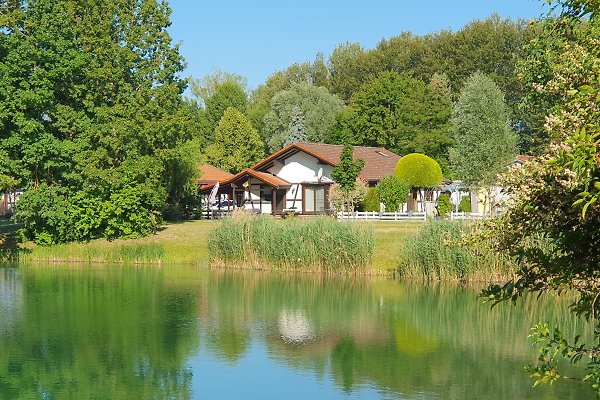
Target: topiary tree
[
  {"x": 393, "y": 192},
  {"x": 422, "y": 173}
]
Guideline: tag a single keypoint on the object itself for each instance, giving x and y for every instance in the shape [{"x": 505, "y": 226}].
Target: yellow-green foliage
[
  {"x": 419, "y": 171},
  {"x": 315, "y": 244}
]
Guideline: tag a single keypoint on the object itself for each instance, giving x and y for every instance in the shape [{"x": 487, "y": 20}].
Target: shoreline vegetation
[{"x": 409, "y": 250}]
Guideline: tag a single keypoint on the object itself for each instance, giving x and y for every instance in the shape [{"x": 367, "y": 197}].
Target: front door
[{"x": 280, "y": 195}]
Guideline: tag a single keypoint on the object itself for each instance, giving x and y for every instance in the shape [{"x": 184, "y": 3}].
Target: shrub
[
  {"x": 419, "y": 171},
  {"x": 444, "y": 204},
  {"x": 393, "y": 192},
  {"x": 371, "y": 202},
  {"x": 465, "y": 204}
]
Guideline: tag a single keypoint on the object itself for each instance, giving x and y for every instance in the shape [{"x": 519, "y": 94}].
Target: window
[{"x": 314, "y": 198}]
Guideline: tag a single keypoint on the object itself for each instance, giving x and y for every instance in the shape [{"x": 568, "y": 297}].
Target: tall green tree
[
  {"x": 318, "y": 106},
  {"x": 90, "y": 103},
  {"x": 237, "y": 144},
  {"x": 399, "y": 113},
  {"x": 297, "y": 131},
  {"x": 227, "y": 94},
  {"x": 484, "y": 141}
]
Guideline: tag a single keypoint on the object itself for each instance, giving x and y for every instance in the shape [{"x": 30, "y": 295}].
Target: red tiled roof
[
  {"x": 212, "y": 174},
  {"x": 379, "y": 162},
  {"x": 264, "y": 177}
]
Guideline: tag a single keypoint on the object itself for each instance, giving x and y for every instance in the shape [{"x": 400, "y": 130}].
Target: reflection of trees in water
[
  {"x": 11, "y": 300},
  {"x": 128, "y": 333},
  {"x": 406, "y": 339},
  {"x": 84, "y": 333}
]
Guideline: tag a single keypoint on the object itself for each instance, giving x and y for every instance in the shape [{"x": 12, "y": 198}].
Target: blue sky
[{"x": 256, "y": 38}]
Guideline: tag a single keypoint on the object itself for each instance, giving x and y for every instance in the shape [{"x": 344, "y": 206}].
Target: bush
[
  {"x": 50, "y": 216},
  {"x": 393, "y": 192},
  {"x": 419, "y": 171},
  {"x": 371, "y": 201},
  {"x": 316, "y": 244},
  {"x": 465, "y": 204},
  {"x": 444, "y": 205}
]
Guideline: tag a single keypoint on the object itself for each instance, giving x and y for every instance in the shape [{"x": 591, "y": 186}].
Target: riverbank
[{"x": 184, "y": 243}]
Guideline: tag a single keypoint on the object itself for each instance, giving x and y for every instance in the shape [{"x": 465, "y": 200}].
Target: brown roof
[
  {"x": 379, "y": 162},
  {"x": 264, "y": 177},
  {"x": 212, "y": 174}
]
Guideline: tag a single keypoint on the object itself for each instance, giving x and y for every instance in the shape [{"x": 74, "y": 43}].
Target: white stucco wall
[{"x": 297, "y": 169}]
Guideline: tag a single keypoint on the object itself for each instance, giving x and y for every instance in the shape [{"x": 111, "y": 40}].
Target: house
[{"x": 298, "y": 178}]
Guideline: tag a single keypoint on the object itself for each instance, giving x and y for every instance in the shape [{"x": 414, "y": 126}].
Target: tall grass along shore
[
  {"x": 314, "y": 244},
  {"x": 438, "y": 252}
]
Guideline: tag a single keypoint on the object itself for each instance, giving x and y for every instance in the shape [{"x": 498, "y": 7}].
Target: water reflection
[{"x": 180, "y": 333}]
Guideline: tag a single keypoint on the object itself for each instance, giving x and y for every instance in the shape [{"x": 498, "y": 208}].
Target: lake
[{"x": 114, "y": 332}]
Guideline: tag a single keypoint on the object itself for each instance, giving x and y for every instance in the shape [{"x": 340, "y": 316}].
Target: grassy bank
[
  {"x": 180, "y": 243},
  {"x": 315, "y": 244},
  {"x": 414, "y": 249}
]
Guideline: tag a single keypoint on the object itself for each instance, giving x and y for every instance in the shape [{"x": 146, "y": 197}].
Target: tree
[
  {"x": 393, "y": 192},
  {"x": 297, "y": 131},
  {"x": 484, "y": 142},
  {"x": 237, "y": 144},
  {"x": 318, "y": 106},
  {"x": 419, "y": 172},
  {"x": 96, "y": 111},
  {"x": 225, "y": 95},
  {"x": 399, "y": 113},
  {"x": 206, "y": 87},
  {"x": 553, "y": 224},
  {"x": 345, "y": 174}
]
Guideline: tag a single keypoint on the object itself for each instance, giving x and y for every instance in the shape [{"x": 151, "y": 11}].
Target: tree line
[{"x": 95, "y": 126}]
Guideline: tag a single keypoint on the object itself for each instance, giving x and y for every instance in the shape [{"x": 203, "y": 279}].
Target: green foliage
[
  {"x": 317, "y": 105},
  {"x": 465, "y": 204},
  {"x": 297, "y": 130},
  {"x": 348, "y": 169},
  {"x": 372, "y": 202},
  {"x": 347, "y": 200},
  {"x": 552, "y": 227},
  {"x": 50, "y": 216},
  {"x": 227, "y": 94},
  {"x": 444, "y": 205},
  {"x": 95, "y": 109},
  {"x": 397, "y": 112},
  {"x": 440, "y": 251},
  {"x": 418, "y": 171},
  {"x": 484, "y": 142},
  {"x": 237, "y": 144},
  {"x": 393, "y": 192},
  {"x": 316, "y": 244}
]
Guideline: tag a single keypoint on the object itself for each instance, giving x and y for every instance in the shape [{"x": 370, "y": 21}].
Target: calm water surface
[{"x": 188, "y": 333}]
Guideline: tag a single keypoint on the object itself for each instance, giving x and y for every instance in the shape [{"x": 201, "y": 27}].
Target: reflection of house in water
[
  {"x": 11, "y": 299},
  {"x": 294, "y": 326}
]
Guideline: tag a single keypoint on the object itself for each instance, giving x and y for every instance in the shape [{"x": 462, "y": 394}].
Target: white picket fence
[
  {"x": 403, "y": 216},
  {"x": 384, "y": 216}
]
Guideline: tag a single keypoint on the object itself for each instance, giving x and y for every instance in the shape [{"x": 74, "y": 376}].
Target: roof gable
[{"x": 379, "y": 162}]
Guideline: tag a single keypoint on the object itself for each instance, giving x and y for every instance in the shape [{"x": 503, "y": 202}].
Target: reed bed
[
  {"x": 439, "y": 252},
  {"x": 314, "y": 244}
]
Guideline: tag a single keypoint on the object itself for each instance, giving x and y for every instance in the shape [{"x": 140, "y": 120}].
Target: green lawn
[{"x": 185, "y": 243}]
